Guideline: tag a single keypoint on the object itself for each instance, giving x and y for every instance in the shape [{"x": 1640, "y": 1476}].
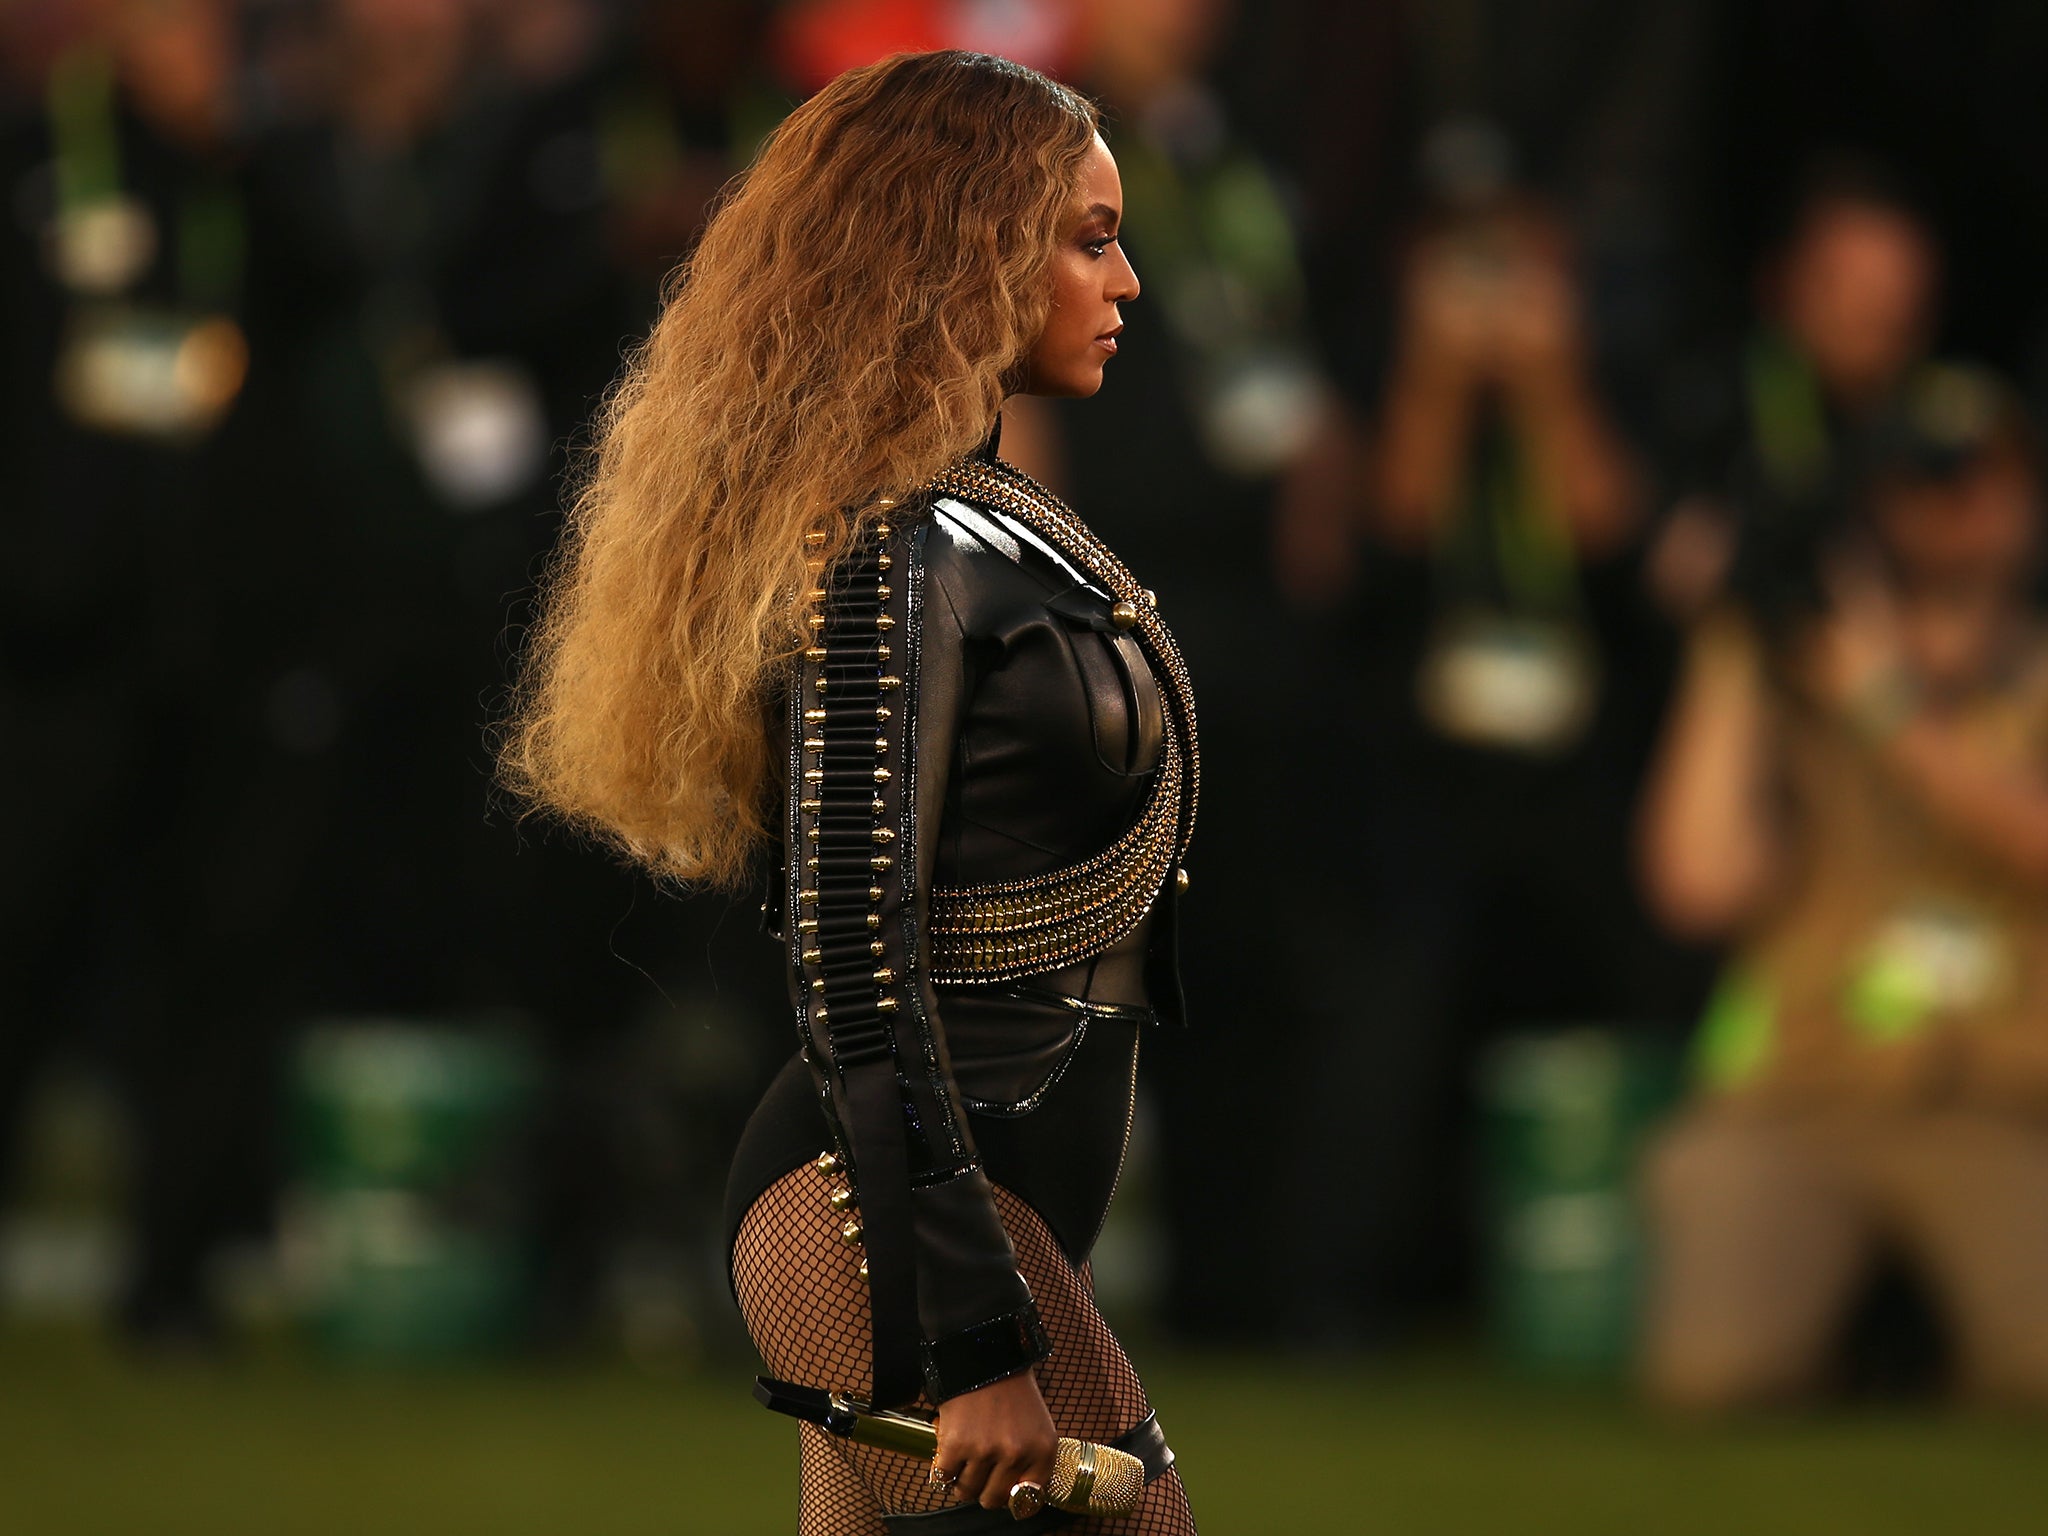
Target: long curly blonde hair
[{"x": 843, "y": 332}]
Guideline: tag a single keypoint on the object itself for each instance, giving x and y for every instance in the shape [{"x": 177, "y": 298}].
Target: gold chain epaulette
[{"x": 1016, "y": 928}]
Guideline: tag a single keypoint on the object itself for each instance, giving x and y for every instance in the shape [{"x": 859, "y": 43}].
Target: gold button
[
  {"x": 828, "y": 1164},
  {"x": 842, "y": 1199},
  {"x": 1151, "y": 598},
  {"x": 1180, "y": 879},
  {"x": 850, "y": 1234},
  {"x": 1124, "y": 615}
]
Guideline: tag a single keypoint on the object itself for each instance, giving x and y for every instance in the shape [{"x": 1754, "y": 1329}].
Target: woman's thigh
[{"x": 806, "y": 1306}]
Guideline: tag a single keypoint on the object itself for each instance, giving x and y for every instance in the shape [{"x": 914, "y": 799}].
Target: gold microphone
[{"x": 1087, "y": 1479}]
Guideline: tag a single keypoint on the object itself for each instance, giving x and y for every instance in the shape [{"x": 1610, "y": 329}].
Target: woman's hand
[
  {"x": 993, "y": 1438},
  {"x": 1857, "y": 655}
]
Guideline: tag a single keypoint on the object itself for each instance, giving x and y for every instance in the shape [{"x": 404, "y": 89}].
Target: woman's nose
[{"x": 1123, "y": 284}]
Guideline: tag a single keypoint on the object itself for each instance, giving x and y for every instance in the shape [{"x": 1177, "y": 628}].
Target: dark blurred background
[{"x": 1587, "y": 451}]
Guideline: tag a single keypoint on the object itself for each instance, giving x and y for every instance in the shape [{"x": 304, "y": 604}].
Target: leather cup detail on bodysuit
[{"x": 1011, "y": 929}]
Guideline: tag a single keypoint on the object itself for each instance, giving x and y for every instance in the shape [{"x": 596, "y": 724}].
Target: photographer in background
[
  {"x": 1857, "y": 796},
  {"x": 1765, "y": 439},
  {"x": 1479, "y": 869}
]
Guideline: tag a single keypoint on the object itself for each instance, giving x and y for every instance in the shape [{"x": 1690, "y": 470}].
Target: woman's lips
[{"x": 1107, "y": 340}]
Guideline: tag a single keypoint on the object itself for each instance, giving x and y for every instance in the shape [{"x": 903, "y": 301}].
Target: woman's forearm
[
  {"x": 1579, "y": 462},
  {"x": 1425, "y": 436},
  {"x": 1707, "y": 841},
  {"x": 2000, "y": 810}
]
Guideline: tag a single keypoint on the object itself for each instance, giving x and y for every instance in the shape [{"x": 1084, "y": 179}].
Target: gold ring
[
  {"x": 943, "y": 1479},
  {"x": 1026, "y": 1499}
]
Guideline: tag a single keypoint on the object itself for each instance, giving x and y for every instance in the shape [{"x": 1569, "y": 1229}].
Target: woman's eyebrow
[{"x": 1104, "y": 212}]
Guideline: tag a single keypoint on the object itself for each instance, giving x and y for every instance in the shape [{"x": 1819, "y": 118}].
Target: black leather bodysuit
[{"x": 991, "y": 780}]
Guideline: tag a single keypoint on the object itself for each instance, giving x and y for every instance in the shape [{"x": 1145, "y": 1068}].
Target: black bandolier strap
[{"x": 847, "y": 882}]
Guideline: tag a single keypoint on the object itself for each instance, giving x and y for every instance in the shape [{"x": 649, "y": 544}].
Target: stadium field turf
[{"x": 277, "y": 1445}]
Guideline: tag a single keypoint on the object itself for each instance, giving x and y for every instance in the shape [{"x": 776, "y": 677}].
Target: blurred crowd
[{"x": 1587, "y": 449}]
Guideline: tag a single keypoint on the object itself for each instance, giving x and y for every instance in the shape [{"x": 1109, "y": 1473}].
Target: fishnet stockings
[{"x": 807, "y": 1308}]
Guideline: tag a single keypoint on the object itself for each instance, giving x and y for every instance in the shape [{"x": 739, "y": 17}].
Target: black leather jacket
[{"x": 1008, "y": 722}]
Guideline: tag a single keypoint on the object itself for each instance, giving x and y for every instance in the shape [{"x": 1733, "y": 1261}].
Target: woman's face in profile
[{"x": 1090, "y": 277}]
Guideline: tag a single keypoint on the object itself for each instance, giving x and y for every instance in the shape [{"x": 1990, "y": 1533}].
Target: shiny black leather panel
[
  {"x": 1061, "y": 728},
  {"x": 1065, "y": 1156}
]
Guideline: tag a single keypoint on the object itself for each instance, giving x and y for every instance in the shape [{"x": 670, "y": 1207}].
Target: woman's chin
[{"x": 1077, "y": 383}]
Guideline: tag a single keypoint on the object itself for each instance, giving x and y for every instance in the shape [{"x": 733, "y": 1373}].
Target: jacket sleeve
[{"x": 873, "y": 726}]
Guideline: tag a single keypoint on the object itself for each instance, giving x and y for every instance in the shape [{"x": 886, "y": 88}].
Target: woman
[{"x": 803, "y": 601}]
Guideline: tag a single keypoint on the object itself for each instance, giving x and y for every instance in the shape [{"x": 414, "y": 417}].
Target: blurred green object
[
  {"x": 406, "y": 1228},
  {"x": 1565, "y": 1116}
]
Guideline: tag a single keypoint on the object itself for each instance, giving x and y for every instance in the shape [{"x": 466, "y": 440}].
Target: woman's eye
[{"x": 1100, "y": 247}]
